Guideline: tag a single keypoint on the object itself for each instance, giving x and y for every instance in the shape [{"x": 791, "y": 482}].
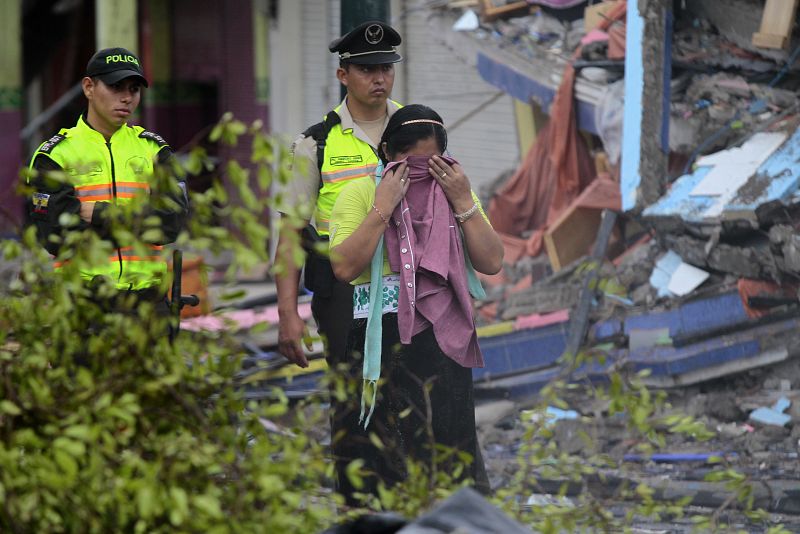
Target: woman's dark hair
[{"x": 401, "y": 134}]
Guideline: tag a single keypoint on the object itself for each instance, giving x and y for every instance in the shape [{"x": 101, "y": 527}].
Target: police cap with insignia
[
  {"x": 113, "y": 65},
  {"x": 370, "y": 43}
]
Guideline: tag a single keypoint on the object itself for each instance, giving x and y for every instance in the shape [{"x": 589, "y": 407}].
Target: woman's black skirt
[{"x": 424, "y": 401}]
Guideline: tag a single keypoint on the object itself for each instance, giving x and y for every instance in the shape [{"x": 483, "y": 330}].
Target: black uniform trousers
[{"x": 333, "y": 313}]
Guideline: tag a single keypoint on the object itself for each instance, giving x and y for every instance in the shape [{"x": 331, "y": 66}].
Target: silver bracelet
[{"x": 464, "y": 217}]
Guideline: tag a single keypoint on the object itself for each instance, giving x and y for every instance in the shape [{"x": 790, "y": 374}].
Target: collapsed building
[
  {"x": 650, "y": 226},
  {"x": 688, "y": 129}
]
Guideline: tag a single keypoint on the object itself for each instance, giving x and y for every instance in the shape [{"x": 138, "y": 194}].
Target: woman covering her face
[{"x": 410, "y": 242}]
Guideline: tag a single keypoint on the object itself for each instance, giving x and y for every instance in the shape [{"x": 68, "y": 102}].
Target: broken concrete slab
[
  {"x": 491, "y": 412},
  {"x": 725, "y": 368},
  {"x": 781, "y": 496},
  {"x": 540, "y": 298},
  {"x": 690, "y": 320},
  {"x": 776, "y": 179},
  {"x": 732, "y": 168},
  {"x": 788, "y": 240},
  {"x": 751, "y": 258},
  {"x": 734, "y": 344}
]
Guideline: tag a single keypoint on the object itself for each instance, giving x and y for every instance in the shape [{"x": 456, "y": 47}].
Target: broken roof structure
[{"x": 721, "y": 119}]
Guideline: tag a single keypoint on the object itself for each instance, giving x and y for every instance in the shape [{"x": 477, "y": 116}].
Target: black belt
[
  {"x": 152, "y": 293},
  {"x": 309, "y": 236}
]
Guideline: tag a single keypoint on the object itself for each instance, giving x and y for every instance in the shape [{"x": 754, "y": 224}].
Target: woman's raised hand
[
  {"x": 392, "y": 188},
  {"x": 454, "y": 183}
]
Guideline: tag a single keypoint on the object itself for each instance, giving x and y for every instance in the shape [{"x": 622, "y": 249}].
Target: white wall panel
[
  {"x": 432, "y": 74},
  {"x": 318, "y": 67},
  {"x": 486, "y": 144}
]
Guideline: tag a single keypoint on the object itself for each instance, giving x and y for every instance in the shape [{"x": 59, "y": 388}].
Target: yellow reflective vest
[
  {"x": 117, "y": 172},
  {"x": 346, "y": 158}
]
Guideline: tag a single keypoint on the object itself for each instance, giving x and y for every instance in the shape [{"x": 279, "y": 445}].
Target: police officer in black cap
[
  {"x": 328, "y": 156},
  {"x": 104, "y": 161},
  {"x": 370, "y": 43}
]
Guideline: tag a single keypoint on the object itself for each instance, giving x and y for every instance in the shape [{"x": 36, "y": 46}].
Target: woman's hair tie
[{"x": 415, "y": 121}]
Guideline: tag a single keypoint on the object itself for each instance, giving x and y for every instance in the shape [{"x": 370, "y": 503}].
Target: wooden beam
[
  {"x": 462, "y": 3},
  {"x": 490, "y": 12},
  {"x": 777, "y": 22},
  {"x": 579, "y": 318},
  {"x": 571, "y": 236},
  {"x": 768, "y": 40}
]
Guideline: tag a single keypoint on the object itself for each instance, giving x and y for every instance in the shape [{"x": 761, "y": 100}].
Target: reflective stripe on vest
[
  {"x": 86, "y": 158},
  {"x": 104, "y": 192},
  {"x": 347, "y": 158},
  {"x": 152, "y": 253}
]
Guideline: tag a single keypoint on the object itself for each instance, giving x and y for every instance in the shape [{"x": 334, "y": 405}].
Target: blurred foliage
[{"x": 106, "y": 426}]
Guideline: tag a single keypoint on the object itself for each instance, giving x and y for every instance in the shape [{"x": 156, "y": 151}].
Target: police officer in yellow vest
[
  {"x": 327, "y": 156},
  {"x": 107, "y": 161}
]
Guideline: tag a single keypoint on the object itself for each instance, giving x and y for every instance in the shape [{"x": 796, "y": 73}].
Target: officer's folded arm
[
  {"x": 51, "y": 199},
  {"x": 171, "y": 207},
  {"x": 173, "y": 217},
  {"x": 62, "y": 199}
]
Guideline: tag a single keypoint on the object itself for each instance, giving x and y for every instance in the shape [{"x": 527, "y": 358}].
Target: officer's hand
[
  {"x": 391, "y": 190},
  {"x": 291, "y": 329},
  {"x": 87, "y": 210},
  {"x": 454, "y": 183}
]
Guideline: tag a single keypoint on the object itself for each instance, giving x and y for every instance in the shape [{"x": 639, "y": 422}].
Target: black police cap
[
  {"x": 112, "y": 65},
  {"x": 370, "y": 43}
]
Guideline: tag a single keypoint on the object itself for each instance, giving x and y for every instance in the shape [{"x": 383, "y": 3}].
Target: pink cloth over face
[{"x": 423, "y": 244}]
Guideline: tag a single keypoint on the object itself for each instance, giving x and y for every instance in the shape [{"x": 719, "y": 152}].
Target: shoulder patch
[
  {"x": 154, "y": 137},
  {"x": 40, "y": 201},
  {"x": 51, "y": 143}
]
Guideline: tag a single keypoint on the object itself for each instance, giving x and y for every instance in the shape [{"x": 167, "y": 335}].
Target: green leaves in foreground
[{"x": 105, "y": 426}]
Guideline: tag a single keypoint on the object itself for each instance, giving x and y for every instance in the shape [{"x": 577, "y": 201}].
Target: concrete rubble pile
[
  {"x": 700, "y": 288},
  {"x": 729, "y": 209}
]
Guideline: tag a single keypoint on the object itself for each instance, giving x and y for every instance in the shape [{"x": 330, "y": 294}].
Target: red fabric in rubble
[{"x": 555, "y": 171}]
